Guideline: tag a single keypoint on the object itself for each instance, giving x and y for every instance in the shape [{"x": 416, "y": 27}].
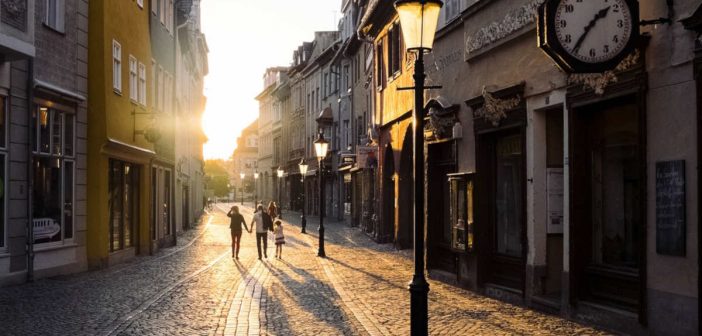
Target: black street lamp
[
  {"x": 419, "y": 19},
  {"x": 255, "y": 191},
  {"x": 303, "y": 171},
  {"x": 243, "y": 176},
  {"x": 280, "y": 187},
  {"x": 321, "y": 148}
]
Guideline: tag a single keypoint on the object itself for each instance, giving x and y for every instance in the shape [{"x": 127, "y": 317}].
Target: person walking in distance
[
  {"x": 272, "y": 210},
  {"x": 262, "y": 221},
  {"x": 279, "y": 239},
  {"x": 237, "y": 220}
]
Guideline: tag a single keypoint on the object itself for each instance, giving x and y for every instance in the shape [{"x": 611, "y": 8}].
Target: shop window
[
  {"x": 462, "y": 188},
  {"x": 54, "y": 175},
  {"x": 124, "y": 204}
]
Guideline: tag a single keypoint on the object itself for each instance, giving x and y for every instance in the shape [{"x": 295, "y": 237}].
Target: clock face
[{"x": 593, "y": 31}]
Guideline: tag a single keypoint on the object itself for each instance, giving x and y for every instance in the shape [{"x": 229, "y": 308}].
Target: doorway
[
  {"x": 501, "y": 165},
  {"x": 405, "y": 234},
  {"x": 608, "y": 221},
  {"x": 389, "y": 196},
  {"x": 442, "y": 163}
]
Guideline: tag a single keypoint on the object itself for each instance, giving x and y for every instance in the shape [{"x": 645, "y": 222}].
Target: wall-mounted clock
[{"x": 588, "y": 35}]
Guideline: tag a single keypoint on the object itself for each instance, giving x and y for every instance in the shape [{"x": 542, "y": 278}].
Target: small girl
[{"x": 279, "y": 239}]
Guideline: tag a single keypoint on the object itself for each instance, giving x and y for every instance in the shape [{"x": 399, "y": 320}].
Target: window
[
  {"x": 153, "y": 83},
  {"x": 394, "y": 50},
  {"x": 461, "y": 210},
  {"x": 159, "y": 103},
  {"x": 162, "y": 11},
  {"x": 133, "y": 84},
  {"x": 142, "y": 84},
  {"x": 140, "y": 3},
  {"x": 55, "y": 14},
  {"x": 347, "y": 81},
  {"x": 327, "y": 87},
  {"x": 54, "y": 174},
  {"x": 117, "y": 67},
  {"x": 380, "y": 70},
  {"x": 124, "y": 204},
  {"x": 169, "y": 17}
]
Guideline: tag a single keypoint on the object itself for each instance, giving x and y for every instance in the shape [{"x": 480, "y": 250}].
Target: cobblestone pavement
[{"x": 196, "y": 288}]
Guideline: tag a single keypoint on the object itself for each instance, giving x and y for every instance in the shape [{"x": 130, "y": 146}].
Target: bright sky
[{"x": 245, "y": 38}]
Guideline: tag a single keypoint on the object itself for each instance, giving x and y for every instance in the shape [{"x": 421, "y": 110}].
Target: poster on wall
[
  {"x": 670, "y": 208},
  {"x": 554, "y": 189}
]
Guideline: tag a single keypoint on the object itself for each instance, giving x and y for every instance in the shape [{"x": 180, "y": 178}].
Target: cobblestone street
[{"x": 196, "y": 288}]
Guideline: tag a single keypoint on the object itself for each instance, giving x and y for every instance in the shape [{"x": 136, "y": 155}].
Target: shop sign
[
  {"x": 670, "y": 208},
  {"x": 366, "y": 156}
]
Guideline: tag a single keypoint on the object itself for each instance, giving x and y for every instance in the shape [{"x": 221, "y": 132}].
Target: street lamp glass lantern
[
  {"x": 419, "y": 19},
  {"x": 321, "y": 147},
  {"x": 256, "y": 176},
  {"x": 280, "y": 172},
  {"x": 303, "y": 167},
  {"x": 242, "y": 175}
]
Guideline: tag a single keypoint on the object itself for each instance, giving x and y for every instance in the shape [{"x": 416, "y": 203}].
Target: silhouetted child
[{"x": 279, "y": 239}]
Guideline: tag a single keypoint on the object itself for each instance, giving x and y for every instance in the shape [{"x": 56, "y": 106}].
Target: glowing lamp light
[
  {"x": 303, "y": 167},
  {"x": 419, "y": 19},
  {"x": 280, "y": 172},
  {"x": 321, "y": 147},
  {"x": 44, "y": 116}
]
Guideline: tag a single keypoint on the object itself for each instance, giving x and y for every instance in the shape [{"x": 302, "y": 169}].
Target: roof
[
  {"x": 325, "y": 115},
  {"x": 377, "y": 15}
]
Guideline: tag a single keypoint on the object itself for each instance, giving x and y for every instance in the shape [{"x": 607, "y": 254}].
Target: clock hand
[{"x": 600, "y": 15}]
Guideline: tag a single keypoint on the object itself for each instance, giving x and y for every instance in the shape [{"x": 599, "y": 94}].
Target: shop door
[
  {"x": 503, "y": 171},
  {"x": 442, "y": 162},
  {"x": 608, "y": 196}
]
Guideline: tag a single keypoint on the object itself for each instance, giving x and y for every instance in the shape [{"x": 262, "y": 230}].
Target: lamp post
[
  {"x": 321, "y": 147},
  {"x": 255, "y": 191},
  {"x": 303, "y": 171},
  {"x": 243, "y": 176},
  {"x": 280, "y": 184},
  {"x": 418, "y": 19}
]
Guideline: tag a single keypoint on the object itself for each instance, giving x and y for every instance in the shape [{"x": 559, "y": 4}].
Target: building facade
[
  {"x": 245, "y": 162},
  {"x": 162, "y": 28},
  {"x": 122, "y": 133},
  {"x": 59, "y": 108},
  {"x": 392, "y": 68},
  {"x": 270, "y": 129},
  {"x": 191, "y": 68},
  {"x": 295, "y": 121}
]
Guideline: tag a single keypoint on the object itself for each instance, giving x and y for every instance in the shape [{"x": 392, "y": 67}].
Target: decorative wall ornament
[
  {"x": 439, "y": 126},
  {"x": 512, "y": 22},
  {"x": 441, "y": 119},
  {"x": 14, "y": 13},
  {"x": 495, "y": 109},
  {"x": 599, "y": 81}
]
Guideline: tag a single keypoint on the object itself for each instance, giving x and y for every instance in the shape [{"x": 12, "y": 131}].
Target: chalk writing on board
[{"x": 670, "y": 208}]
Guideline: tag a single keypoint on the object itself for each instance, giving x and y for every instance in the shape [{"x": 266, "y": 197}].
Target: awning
[{"x": 345, "y": 169}]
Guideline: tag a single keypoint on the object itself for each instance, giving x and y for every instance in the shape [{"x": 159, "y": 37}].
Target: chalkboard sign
[{"x": 670, "y": 208}]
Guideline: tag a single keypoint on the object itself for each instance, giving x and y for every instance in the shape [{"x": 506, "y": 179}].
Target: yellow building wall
[{"x": 113, "y": 116}]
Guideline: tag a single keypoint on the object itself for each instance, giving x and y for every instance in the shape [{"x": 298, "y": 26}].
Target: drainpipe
[{"x": 30, "y": 174}]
